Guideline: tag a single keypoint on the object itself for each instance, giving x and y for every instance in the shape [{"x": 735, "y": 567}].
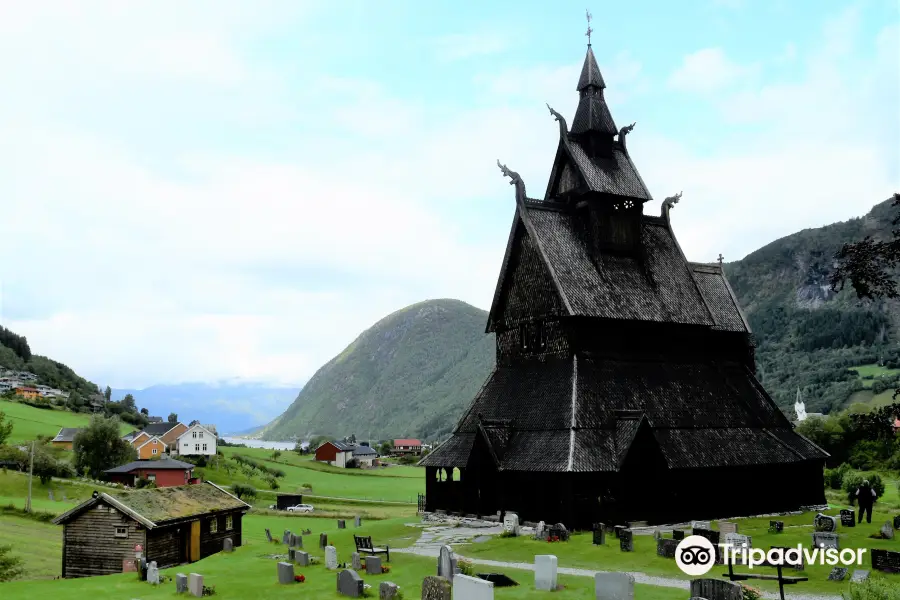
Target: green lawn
[
  {"x": 250, "y": 572},
  {"x": 391, "y": 484},
  {"x": 871, "y": 372},
  {"x": 30, "y": 422},
  {"x": 39, "y": 545},
  {"x": 14, "y": 490}
]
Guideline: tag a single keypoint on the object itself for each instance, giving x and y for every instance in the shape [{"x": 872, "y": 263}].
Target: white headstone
[
  {"x": 701, "y": 525},
  {"x": 330, "y": 557},
  {"x": 195, "y": 584},
  {"x": 545, "y": 572},
  {"x": 539, "y": 530},
  {"x": 472, "y": 588},
  {"x": 153, "y": 573},
  {"x": 614, "y": 586},
  {"x": 511, "y": 523}
]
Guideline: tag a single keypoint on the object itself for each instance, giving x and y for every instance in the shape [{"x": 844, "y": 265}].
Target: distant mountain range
[{"x": 234, "y": 407}]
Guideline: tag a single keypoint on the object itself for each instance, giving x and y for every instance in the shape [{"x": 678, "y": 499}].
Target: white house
[{"x": 196, "y": 441}]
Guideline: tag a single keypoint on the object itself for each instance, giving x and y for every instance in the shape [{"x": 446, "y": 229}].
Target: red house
[
  {"x": 166, "y": 472},
  {"x": 407, "y": 447},
  {"x": 335, "y": 453}
]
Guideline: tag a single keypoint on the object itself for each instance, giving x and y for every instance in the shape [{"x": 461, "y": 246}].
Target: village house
[
  {"x": 65, "y": 438},
  {"x": 335, "y": 453},
  {"x": 164, "y": 472},
  {"x": 173, "y": 525},
  {"x": 167, "y": 432},
  {"x": 149, "y": 447},
  {"x": 365, "y": 456},
  {"x": 196, "y": 440},
  {"x": 408, "y": 446},
  {"x": 154, "y": 419},
  {"x": 29, "y": 393}
]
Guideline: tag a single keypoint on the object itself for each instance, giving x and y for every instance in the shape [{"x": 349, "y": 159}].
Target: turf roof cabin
[
  {"x": 173, "y": 524},
  {"x": 625, "y": 384}
]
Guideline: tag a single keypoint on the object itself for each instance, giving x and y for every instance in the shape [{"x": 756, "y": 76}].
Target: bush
[
  {"x": 873, "y": 589},
  {"x": 853, "y": 480},
  {"x": 834, "y": 478},
  {"x": 143, "y": 482},
  {"x": 243, "y": 491}
]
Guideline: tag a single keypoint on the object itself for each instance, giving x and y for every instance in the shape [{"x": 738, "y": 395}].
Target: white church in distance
[{"x": 800, "y": 409}]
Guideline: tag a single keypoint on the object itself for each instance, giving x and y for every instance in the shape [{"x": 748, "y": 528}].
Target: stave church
[{"x": 624, "y": 388}]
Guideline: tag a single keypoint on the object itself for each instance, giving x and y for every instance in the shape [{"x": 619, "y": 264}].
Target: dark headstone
[
  {"x": 711, "y": 534},
  {"x": 559, "y": 531},
  {"x": 180, "y": 583},
  {"x": 373, "y": 565},
  {"x": 268, "y": 535},
  {"x": 838, "y": 574},
  {"x": 286, "y": 538},
  {"x": 618, "y": 530},
  {"x": 848, "y": 517},
  {"x": 357, "y": 521},
  {"x": 825, "y": 523},
  {"x": 342, "y": 524},
  {"x": 776, "y": 526},
  {"x": 323, "y": 541},
  {"x": 717, "y": 589},
  {"x": 387, "y": 590},
  {"x": 349, "y": 584},
  {"x": 626, "y": 541},
  {"x": 599, "y": 534},
  {"x": 285, "y": 573},
  {"x": 886, "y": 561},
  {"x": 666, "y": 547},
  {"x": 677, "y": 534},
  {"x": 897, "y": 522},
  {"x": 436, "y": 588}
]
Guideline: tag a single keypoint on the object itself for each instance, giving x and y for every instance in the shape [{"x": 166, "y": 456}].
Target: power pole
[{"x": 30, "y": 476}]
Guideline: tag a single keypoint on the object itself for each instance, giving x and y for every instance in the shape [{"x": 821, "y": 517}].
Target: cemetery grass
[
  {"x": 38, "y": 544},
  {"x": 579, "y": 552},
  {"x": 249, "y": 572},
  {"x": 30, "y": 422}
]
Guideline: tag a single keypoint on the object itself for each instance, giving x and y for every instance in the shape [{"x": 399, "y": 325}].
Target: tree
[
  {"x": 194, "y": 422},
  {"x": 243, "y": 491},
  {"x": 276, "y": 454},
  {"x": 350, "y": 439},
  {"x": 108, "y": 394},
  {"x": 99, "y": 446},
  {"x": 173, "y": 418},
  {"x": 145, "y": 412},
  {"x": 128, "y": 403},
  {"x": 10, "y": 566},
  {"x": 870, "y": 265},
  {"x": 5, "y": 429}
]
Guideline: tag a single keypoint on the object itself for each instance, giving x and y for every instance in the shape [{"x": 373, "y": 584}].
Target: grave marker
[
  {"x": 373, "y": 565},
  {"x": 285, "y": 573},
  {"x": 859, "y": 575},
  {"x": 227, "y": 545},
  {"x": 897, "y": 522},
  {"x": 355, "y": 563},
  {"x": 436, "y": 588},
  {"x": 822, "y": 539},
  {"x": 342, "y": 524},
  {"x": 195, "y": 584},
  {"x": 677, "y": 534},
  {"x": 445, "y": 563},
  {"x": 268, "y": 535},
  {"x": 153, "y": 573},
  {"x": 599, "y": 534},
  {"x": 51, "y": 495},
  {"x": 848, "y": 517},
  {"x": 357, "y": 521},
  {"x": 349, "y": 584},
  {"x": 886, "y": 561},
  {"x": 330, "y": 557},
  {"x": 181, "y": 583},
  {"x": 626, "y": 541},
  {"x": 887, "y": 532},
  {"x": 472, "y": 588},
  {"x": 717, "y": 589},
  {"x": 614, "y": 586},
  {"x": 387, "y": 590},
  {"x": 545, "y": 567},
  {"x": 701, "y": 525},
  {"x": 540, "y": 531},
  {"x": 286, "y": 538},
  {"x": 838, "y": 574},
  {"x": 726, "y": 527},
  {"x": 666, "y": 547},
  {"x": 559, "y": 530},
  {"x": 323, "y": 541},
  {"x": 511, "y": 523},
  {"x": 825, "y": 523},
  {"x": 301, "y": 558}
]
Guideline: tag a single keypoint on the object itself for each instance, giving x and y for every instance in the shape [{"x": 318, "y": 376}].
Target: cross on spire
[
  {"x": 721, "y": 258},
  {"x": 589, "y": 30}
]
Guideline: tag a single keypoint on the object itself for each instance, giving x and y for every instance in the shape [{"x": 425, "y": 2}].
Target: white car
[{"x": 301, "y": 508}]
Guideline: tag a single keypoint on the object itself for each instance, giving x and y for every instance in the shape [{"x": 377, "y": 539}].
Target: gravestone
[
  {"x": 285, "y": 573},
  {"x": 886, "y": 561},
  {"x": 153, "y": 573},
  {"x": 776, "y": 526},
  {"x": 626, "y": 541},
  {"x": 838, "y": 574},
  {"x": 897, "y": 522},
  {"x": 614, "y": 586},
  {"x": 357, "y": 521},
  {"x": 301, "y": 558},
  {"x": 717, "y": 589},
  {"x": 540, "y": 531},
  {"x": 887, "y": 532},
  {"x": 268, "y": 536},
  {"x": 859, "y": 575},
  {"x": 323, "y": 541},
  {"x": 342, "y": 524},
  {"x": 825, "y": 523},
  {"x": 511, "y": 523},
  {"x": 666, "y": 547},
  {"x": 726, "y": 527},
  {"x": 617, "y": 529},
  {"x": 445, "y": 563},
  {"x": 436, "y": 588},
  {"x": 296, "y": 540},
  {"x": 195, "y": 584},
  {"x": 559, "y": 531},
  {"x": 472, "y": 588},
  {"x": 599, "y": 534},
  {"x": 355, "y": 563},
  {"x": 701, "y": 525},
  {"x": 181, "y": 583},
  {"x": 286, "y": 538},
  {"x": 51, "y": 494},
  {"x": 545, "y": 572},
  {"x": 350, "y": 584},
  {"x": 677, "y": 534},
  {"x": 387, "y": 590},
  {"x": 710, "y": 534},
  {"x": 848, "y": 517},
  {"x": 738, "y": 540},
  {"x": 373, "y": 565},
  {"x": 227, "y": 545},
  {"x": 822, "y": 539},
  {"x": 330, "y": 557}
]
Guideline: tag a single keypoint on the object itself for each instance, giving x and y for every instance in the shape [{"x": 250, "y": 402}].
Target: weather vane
[{"x": 589, "y": 30}]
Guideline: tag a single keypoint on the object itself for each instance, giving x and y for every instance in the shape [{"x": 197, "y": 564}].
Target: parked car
[{"x": 301, "y": 508}]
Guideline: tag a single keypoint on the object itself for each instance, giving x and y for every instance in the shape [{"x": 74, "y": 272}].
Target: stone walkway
[{"x": 435, "y": 535}]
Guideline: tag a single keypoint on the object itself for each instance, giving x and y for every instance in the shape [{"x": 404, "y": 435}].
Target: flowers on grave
[
  {"x": 385, "y": 569},
  {"x": 750, "y": 593},
  {"x": 553, "y": 538},
  {"x": 209, "y": 590},
  {"x": 299, "y": 578}
]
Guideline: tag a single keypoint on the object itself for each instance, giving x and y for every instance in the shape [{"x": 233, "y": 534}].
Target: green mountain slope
[{"x": 411, "y": 374}]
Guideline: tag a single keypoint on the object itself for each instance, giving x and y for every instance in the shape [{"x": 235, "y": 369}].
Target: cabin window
[
  {"x": 121, "y": 532},
  {"x": 213, "y": 525},
  {"x": 229, "y": 522}
]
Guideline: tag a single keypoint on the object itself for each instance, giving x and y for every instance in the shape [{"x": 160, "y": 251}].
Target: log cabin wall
[
  {"x": 210, "y": 542},
  {"x": 166, "y": 545},
  {"x": 92, "y": 546}
]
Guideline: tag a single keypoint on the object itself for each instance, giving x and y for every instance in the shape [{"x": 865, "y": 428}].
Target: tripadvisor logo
[{"x": 695, "y": 555}]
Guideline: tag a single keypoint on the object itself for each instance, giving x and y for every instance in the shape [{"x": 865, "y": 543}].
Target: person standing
[{"x": 865, "y": 498}]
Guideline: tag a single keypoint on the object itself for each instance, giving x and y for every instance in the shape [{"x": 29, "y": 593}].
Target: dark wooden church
[{"x": 625, "y": 384}]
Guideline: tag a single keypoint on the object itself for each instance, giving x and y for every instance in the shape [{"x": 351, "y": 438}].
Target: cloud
[
  {"x": 709, "y": 70},
  {"x": 462, "y": 46}
]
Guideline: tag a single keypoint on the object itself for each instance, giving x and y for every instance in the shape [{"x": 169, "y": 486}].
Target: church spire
[{"x": 592, "y": 115}]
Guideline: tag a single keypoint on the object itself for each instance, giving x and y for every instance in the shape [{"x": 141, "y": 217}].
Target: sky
[{"x": 206, "y": 190}]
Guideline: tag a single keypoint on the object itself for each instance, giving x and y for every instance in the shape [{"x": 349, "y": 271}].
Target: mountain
[
  {"x": 410, "y": 374},
  {"x": 232, "y": 406}
]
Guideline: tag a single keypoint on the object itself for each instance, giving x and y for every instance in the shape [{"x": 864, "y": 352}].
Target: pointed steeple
[{"x": 592, "y": 115}]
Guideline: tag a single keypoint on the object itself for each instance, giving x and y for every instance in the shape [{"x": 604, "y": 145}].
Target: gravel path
[{"x": 435, "y": 536}]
